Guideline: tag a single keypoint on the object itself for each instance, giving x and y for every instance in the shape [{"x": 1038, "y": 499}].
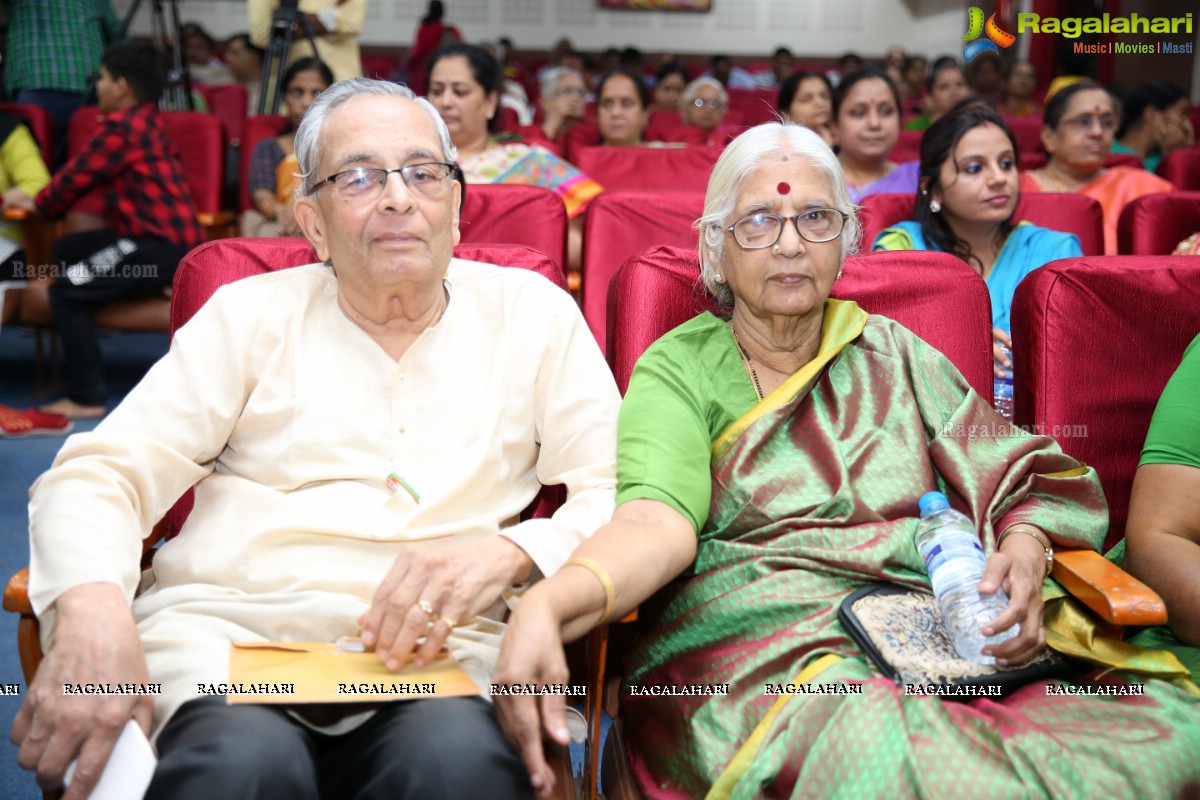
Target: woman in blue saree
[{"x": 966, "y": 198}]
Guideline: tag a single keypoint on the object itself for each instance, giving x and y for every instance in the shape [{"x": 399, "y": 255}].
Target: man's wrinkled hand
[
  {"x": 95, "y": 641},
  {"x": 432, "y": 587}
]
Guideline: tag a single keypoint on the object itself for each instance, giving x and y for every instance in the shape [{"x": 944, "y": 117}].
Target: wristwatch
[{"x": 1042, "y": 539}]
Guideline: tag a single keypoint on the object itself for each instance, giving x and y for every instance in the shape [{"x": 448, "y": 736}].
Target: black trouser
[
  {"x": 448, "y": 748},
  {"x": 101, "y": 267}
]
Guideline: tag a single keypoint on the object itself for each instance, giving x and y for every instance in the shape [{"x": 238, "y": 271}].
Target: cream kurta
[{"x": 291, "y": 418}]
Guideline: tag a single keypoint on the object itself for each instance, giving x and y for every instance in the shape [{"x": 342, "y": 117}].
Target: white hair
[
  {"x": 692, "y": 89},
  {"x": 308, "y": 135},
  {"x": 551, "y": 76},
  {"x": 737, "y": 162}
]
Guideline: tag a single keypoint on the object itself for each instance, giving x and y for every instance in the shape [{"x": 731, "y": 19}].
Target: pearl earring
[
  {"x": 935, "y": 206},
  {"x": 719, "y": 278}
]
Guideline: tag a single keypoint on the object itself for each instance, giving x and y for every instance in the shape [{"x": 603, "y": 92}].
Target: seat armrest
[
  {"x": 16, "y": 593},
  {"x": 1114, "y": 594},
  {"x": 14, "y": 214}
]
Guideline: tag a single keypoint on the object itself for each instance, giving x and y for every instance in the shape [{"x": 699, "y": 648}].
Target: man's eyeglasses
[
  {"x": 762, "y": 230},
  {"x": 715, "y": 105},
  {"x": 430, "y": 179},
  {"x": 1084, "y": 122}
]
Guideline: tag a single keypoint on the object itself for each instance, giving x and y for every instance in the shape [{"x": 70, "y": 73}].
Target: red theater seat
[
  {"x": 228, "y": 102},
  {"x": 1070, "y": 213},
  {"x": 623, "y": 224},
  {"x": 257, "y": 128},
  {"x": 660, "y": 290},
  {"x": 1094, "y": 341},
  {"x": 625, "y": 168},
  {"x": 532, "y": 216},
  {"x": 751, "y": 106},
  {"x": 40, "y": 124},
  {"x": 908, "y": 147},
  {"x": 1152, "y": 225},
  {"x": 1182, "y": 169}
]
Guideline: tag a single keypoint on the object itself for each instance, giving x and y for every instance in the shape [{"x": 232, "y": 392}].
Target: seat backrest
[
  {"x": 258, "y": 127},
  {"x": 751, "y": 106},
  {"x": 1182, "y": 169},
  {"x": 908, "y": 147},
  {"x": 212, "y": 265},
  {"x": 1028, "y": 133},
  {"x": 227, "y": 102},
  {"x": 533, "y": 216},
  {"x": 1153, "y": 224},
  {"x": 1094, "y": 341},
  {"x": 621, "y": 168},
  {"x": 935, "y": 295},
  {"x": 40, "y": 124},
  {"x": 200, "y": 143},
  {"x": 1070, "y": 213},
  {"x": 622, "y": 224}
]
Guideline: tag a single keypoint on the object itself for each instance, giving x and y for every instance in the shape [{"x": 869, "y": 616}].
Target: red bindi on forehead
[{"x": 784, "y": 187}]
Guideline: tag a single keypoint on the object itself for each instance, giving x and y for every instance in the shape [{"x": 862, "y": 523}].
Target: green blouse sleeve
[
  {"x": 1174, "y": 436},
  {"x": 663, "y": 441}
]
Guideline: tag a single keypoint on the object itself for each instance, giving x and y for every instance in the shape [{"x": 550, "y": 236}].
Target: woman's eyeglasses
[
  {"x": 715, "y": 105},
  {"x": 430, "y": 180},
  {"x": 761, "y": 230},
  {"x": 1084, "y": 122}
]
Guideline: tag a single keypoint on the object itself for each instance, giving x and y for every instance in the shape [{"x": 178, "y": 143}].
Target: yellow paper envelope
[{"x": 318, "y": 672}]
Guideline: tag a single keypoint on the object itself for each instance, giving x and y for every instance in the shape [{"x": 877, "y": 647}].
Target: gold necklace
[{"x": 749, "y": 361}]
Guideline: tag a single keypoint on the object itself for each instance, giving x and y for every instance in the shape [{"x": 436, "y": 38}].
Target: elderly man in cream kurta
[{"x": 288, "y": 401}]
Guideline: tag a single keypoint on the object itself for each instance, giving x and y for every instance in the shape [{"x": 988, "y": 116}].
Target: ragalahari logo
[{"x": 995, "y": 35}]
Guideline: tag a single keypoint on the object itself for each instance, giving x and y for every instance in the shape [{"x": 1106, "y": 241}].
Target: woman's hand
[
  {"x": 1019, "y": 569},
  {"x": 286, "y": 217},
  {"x": 532, "y": 652},
  {"x": 16, "y": 197},
  {"x": 434, "y": 586},
  {"x": 1002, "y": 363}
]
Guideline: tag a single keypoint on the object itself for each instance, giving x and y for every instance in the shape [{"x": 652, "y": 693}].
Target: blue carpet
[{"x": 126, "y": 358}]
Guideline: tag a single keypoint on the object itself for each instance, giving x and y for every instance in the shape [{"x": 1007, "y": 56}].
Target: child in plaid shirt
[{"x": 150, "y": 217}]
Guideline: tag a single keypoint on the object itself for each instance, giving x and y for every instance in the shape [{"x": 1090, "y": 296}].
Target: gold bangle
[
  {"x": 610, "y": 592},
  {"x": 1038, "y": 536}
]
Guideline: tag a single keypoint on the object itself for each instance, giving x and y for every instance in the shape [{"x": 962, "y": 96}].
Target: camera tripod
[
  {"x": 178, "y": 92},
  {"x": 284, "y": 22}
]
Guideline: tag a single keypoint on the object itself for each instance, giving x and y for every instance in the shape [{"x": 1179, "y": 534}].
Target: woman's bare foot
[{"x": 72, "y": 410}]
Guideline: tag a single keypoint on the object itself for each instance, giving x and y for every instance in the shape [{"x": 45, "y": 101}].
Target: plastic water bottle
[
  {"x": 954, "y": 560},
  {"x": 1002, "y": 389}
]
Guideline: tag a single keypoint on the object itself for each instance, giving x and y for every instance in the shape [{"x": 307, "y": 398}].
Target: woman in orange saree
[
  {"x": 1077, "y": 132},
  {"x": 768, "y": 466}
]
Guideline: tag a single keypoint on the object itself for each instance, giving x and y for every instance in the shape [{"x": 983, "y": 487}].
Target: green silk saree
[{"x": 814, "y": 494}]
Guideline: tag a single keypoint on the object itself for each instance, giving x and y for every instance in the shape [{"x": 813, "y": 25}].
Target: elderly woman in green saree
[{"x": 769, "y": 464}]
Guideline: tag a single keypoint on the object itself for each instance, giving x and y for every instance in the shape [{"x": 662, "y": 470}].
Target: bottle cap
[{"x": 932, "y": 502}]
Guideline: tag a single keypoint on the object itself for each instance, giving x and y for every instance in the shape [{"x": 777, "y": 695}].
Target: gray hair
[
  {"x": 550, "y": 76},
  {"x": 742, "y": 157},
  {"x": 308, "y": 135},
  {"x": 692, "y": 89}
]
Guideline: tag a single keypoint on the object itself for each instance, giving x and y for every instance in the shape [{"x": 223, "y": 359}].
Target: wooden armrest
[
  {"x": 14, "y": 214},
  {"x": 16, "y": 594},
  {"x": 1102, "y": 586},
  {"x": 209, "y": 220}
]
